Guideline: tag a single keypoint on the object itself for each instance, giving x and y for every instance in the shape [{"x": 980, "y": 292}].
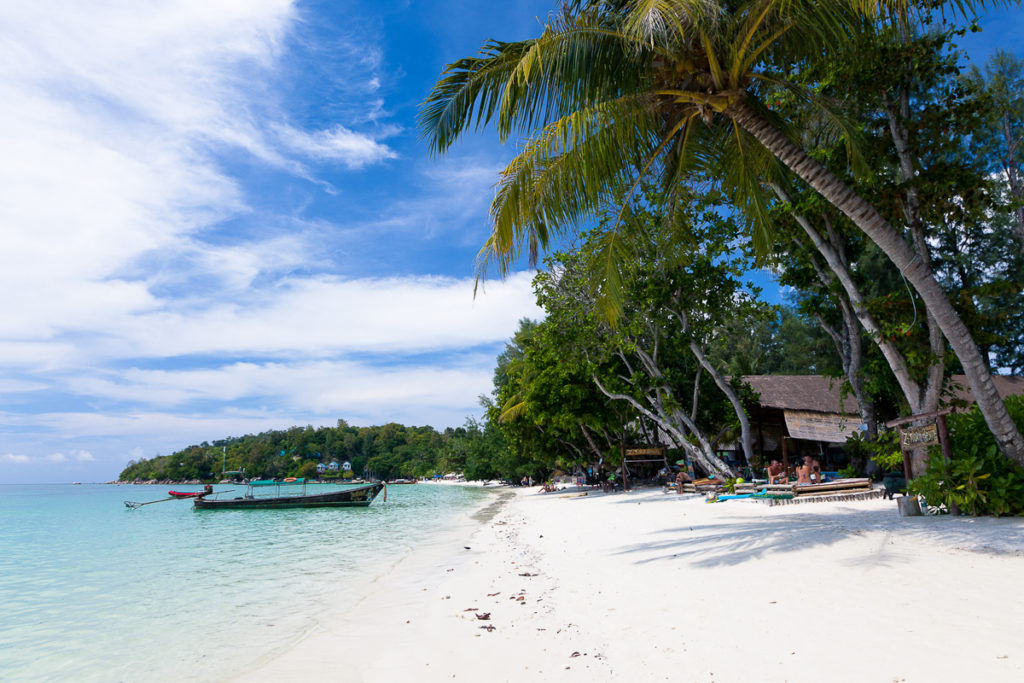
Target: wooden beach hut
[{"x": 798, "y": 415}]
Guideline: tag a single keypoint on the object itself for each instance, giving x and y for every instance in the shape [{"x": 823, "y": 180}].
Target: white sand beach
[{"x": 646, "y": 586}]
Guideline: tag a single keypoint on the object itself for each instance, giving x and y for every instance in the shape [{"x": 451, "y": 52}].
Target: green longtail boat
[{"x": 266, "y": 494}]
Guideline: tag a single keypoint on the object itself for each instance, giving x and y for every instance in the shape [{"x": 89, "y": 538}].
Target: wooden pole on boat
[{"x": 131, "y": 505}]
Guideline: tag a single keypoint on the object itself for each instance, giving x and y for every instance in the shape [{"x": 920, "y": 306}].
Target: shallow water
[{"x": 92, "y": 591}]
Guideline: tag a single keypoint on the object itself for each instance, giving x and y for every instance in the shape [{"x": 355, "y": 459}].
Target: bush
[
  {"x": 887, "y": 452},
  {"x": 979, "y": 480},
  {"x": 884, "y": 450}
]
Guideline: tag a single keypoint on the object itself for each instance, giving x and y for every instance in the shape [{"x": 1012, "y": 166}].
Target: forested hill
[{"x": 386, "y": 451}]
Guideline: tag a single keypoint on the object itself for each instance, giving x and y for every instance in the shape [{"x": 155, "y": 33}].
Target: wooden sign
[
  {"x": 638, "y": 451},
  {"x": 919, "y": 437}
]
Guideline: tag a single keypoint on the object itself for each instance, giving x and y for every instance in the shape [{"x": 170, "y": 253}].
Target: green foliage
[
  {"x": 848, "y": 472},
  {"x": 886, "y": 451},
  {"x": 978, "y": 480},
  {"x": 388, "y": 451}
]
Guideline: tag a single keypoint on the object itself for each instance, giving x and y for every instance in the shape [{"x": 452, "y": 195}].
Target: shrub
[
  {"x": 979, "y": 479},
  {"x": 884, "y": 450}
]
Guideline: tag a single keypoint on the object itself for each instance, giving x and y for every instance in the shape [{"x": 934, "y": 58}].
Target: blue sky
[{"x": 219, "y": 218}]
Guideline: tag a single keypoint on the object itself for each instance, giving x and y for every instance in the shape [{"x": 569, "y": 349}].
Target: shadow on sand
[{"x": 734, "y": 540}]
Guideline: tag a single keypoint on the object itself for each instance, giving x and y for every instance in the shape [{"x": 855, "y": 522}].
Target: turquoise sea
[{"x": 93, "y": 591}]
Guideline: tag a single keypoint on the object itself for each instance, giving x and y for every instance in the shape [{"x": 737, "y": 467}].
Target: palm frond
[
  {"x": 743, "y": 166},
  {"x": 664, "y": 22},
  {"x": 562, "y": 174},
  {"x": 510, "y": 413},
  {"x": 965, "y": 8},
  {"x": 470, "y": 91},
  {"x": 834, "y": 114}
]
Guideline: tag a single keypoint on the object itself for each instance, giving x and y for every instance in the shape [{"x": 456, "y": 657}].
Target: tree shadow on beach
[
  {"x": 733, "y": 538},
  {"x": 733, "y": 541}
]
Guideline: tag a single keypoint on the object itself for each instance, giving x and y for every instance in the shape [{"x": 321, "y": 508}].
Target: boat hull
[{"x": 361, "y": 496}]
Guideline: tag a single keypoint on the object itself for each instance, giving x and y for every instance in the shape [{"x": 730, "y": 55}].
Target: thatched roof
[
  {"x": 802, "y": 392},
  {"x": 822, "y": 394},
  {"x": 1005, "y": 385}
]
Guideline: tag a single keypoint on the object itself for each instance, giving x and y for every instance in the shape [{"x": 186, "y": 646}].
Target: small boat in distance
[{"x": 267, "y": 494}]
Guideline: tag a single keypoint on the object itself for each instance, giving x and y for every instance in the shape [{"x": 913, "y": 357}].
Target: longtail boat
[
  {"x": 184, "y": 494},
  {"x": 263, "y": 494}
]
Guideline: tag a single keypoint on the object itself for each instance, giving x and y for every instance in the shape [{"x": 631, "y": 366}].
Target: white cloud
[
  {"x": 317, "y": 317},
  {"x": 16, "y": 386},
  {"x": 110, "y": 112},
  {"x": 355, "y": 150},
  {"x": 320, "y": 387},
  {"x": 119, "y": 255},
  {"x": 73, "y": 456}
]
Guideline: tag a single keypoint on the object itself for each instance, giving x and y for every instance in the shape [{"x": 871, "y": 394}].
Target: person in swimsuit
[
  {"x": 776, "y": 473},
  {"x": 682, "y": 479},
  {"x": 813, "y": 469}
]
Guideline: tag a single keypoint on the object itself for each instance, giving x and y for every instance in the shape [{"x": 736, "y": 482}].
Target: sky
[{"x": 219, "y": 218}]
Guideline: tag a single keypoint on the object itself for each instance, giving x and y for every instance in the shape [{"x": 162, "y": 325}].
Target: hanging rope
[{"x": 913, "y": 301}]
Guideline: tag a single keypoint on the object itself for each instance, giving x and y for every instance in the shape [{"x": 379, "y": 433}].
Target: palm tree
[{"x": 614, "y": 91}]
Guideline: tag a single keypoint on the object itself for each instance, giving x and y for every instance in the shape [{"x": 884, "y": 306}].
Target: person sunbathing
[
  {"x": 803, "y": 474},
  {"x": 813, "y": 469},
  {"x": 776, "y": 473},
  {"x": 682, "y": 479}
]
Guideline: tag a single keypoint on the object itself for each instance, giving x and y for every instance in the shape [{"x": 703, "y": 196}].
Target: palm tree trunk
[
  {"x": 877, "y": 229},
  {"x": 897, "y": 363}
]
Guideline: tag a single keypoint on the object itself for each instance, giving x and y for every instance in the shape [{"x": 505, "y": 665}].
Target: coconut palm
[{"x": 616, "y": 90}]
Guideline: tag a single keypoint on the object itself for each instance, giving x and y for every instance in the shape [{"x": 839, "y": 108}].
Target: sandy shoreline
[{"x": 663, "y": 587}]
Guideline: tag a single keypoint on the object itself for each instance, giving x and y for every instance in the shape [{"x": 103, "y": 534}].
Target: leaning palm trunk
[{"x": 865, "y": 217}]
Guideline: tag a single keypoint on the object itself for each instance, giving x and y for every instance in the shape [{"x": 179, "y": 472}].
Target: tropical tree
[
  {"x": 1003, "y": 138},
  {"x": 614, "y": 91},
  {"x": 549, "y": 409}
]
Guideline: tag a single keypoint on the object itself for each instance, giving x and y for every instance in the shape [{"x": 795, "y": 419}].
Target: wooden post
[
  {"x": 625, "y": 485},
  {"x": 785, "y": 454},
  {"x": 907, "y": 470},
  {"x": 760, "y": 444},
  {"x": 947, "y": 447}
]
